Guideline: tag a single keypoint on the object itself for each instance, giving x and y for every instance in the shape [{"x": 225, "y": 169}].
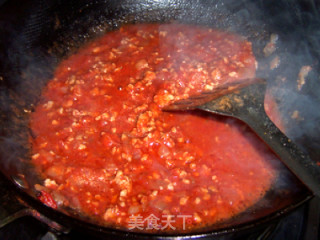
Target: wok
[{"x": 36, "y": 35}]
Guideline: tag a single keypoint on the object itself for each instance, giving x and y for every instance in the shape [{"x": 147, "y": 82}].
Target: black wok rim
[
  {"x": 69, "y": 222},
  {"x": 30, "y": 201}
]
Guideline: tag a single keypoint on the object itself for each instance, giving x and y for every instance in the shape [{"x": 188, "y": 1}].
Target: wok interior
[{"x": 47, "y": 31}]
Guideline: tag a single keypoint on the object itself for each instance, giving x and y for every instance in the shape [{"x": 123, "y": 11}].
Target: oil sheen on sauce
[{"x": 104, "y": 148}]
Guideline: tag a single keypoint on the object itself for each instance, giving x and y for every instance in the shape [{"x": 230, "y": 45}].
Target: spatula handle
[{"x": 299, "y": 163}]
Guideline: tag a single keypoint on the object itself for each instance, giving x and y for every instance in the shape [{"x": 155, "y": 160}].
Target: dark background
[{"x": 296, "y": 22}]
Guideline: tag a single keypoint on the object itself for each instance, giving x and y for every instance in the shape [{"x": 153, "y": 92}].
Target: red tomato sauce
[{"x": 105, "y": 149}]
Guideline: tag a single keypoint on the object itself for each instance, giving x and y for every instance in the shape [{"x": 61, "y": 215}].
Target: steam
[
  {"x": 24, "y": 70},
  {"x": 17, "y": 100},
  {"x": 298, "y": 49},
  {"x": 27, "y": 67}
]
